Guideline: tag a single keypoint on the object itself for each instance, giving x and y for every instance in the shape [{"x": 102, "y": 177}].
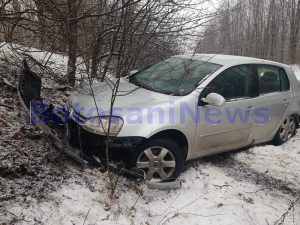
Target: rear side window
[
  {"x": 285, "y": 83},
  {"x": 272, "y": 79}
]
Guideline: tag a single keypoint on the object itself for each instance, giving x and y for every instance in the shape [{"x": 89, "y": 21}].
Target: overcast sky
[{"x": 191, "y": 39}]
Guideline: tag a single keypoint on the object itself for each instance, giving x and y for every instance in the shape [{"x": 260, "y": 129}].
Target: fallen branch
[
  {"x": 136, "y": 201},
  {"x": 86, "y": 216},
  {"x": 5, "y": 122},
  {"x": 63, "y": 88},
  {"x": 18, "y": 218},
  {"x": 291, "y": 207},
  {"x": 9, "y": 84},
  {"x": 221, "y": 186},
  {"x": 6, "y": 106},
  {"x": 183, "y": 207}
]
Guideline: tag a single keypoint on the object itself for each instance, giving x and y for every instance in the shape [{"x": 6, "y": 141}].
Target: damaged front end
[
  {"x": 64, "y": 125},
  {"x": 53, "y": 120},
  {"x": 71, "y": 134}
]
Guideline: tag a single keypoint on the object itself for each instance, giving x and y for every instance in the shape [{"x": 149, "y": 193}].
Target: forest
[{"x": 263, "y": 29}]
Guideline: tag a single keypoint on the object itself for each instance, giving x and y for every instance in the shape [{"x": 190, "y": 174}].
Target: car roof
[{"x": 229, "y": 60}]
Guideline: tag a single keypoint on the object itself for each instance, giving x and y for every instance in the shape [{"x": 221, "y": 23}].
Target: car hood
[{"x": 128, "y": 96}]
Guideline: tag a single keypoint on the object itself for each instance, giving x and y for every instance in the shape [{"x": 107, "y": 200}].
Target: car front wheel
[
  {"x": 159, "y": 159},
  {"x": 286, "y": 131}
]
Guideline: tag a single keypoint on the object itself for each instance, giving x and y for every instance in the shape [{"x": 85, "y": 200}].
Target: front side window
[
  {"x": 174, "y": 76},
  {"x": 272, "y": 79},
  {"x": 234, "y": 83}
]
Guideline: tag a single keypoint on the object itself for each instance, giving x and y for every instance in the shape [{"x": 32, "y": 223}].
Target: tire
[
  {"x": 160, "y": 159},
  {"x": 286, "y": 131}
]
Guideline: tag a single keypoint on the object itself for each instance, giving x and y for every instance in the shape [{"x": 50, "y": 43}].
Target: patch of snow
[
  {"x": 296, "y": 69},
  {"x": 12, "y": 54},
  {"x": 280, "y": 162},
  {"x": 57, "y": 62},
  {"x": 210, "y": 195}
]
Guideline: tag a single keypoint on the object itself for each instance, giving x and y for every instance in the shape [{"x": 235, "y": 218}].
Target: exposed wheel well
[{"x": 175, "y": 135}]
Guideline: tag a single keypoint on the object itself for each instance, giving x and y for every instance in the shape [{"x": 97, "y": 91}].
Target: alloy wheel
[
  {"x": 157, "y": 163},
  {"x": 287, "y": 129}
]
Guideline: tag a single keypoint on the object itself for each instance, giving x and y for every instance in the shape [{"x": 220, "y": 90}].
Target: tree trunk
[
  {"x": 294, "y": 31},
  {"x": 95, "y": 59},
  {"x": 41, "y": 9},
  {"x": 72, "y": 25}
]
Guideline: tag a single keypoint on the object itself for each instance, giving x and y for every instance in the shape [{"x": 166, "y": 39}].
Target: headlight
[{"x": 99, "y": 125}]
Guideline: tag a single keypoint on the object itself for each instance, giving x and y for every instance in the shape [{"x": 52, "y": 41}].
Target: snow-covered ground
[
  {"x": 256, "y": 186},
  {"x": 39, "y": 185},
  {"x": 13, "y": 53}
]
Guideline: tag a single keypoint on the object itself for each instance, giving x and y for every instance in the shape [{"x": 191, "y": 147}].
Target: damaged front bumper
[
  {"x": 67, "y": 135},
  {"x": 94, "y": 145}
]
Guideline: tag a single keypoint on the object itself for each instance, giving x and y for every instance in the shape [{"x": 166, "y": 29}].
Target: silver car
[{"x": 184, "y": 108}]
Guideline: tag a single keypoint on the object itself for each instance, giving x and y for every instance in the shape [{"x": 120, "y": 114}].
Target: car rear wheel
[
  {"x": 286, "y": 131},
  {"x": 158, "y": 159}
]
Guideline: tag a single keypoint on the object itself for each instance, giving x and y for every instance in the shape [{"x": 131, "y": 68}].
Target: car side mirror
[
  {"x": 214, "y": 99},
  {"x": 129, "y": 74}
]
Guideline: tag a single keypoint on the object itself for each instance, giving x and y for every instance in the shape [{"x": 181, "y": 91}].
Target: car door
[
  {"x": 228, "y": 127},
  {"x": 272, "y": 103}
]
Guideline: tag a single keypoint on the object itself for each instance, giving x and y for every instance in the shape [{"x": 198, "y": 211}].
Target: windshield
[{"x": 174, "y": 76}]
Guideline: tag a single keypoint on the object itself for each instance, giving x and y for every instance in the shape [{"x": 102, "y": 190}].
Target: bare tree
[
  {"x": 294, "y": 18},
  {"x": 265, "y": 29}
]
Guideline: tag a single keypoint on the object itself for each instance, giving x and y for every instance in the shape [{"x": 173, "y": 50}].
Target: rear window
[{"x": 272, "y": 79}]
